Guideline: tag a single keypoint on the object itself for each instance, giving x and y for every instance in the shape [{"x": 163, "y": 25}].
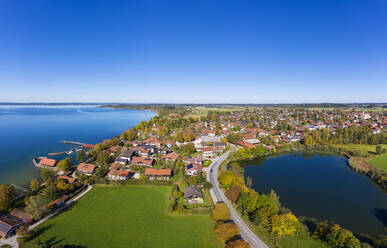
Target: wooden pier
[{"x": 65, "y": 152}]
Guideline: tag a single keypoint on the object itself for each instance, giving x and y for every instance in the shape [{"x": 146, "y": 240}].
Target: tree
[
  {"x": 50, "y": 190},
  {"x": 243, "y": 201},
  {"x": 62, "y": 185},
  {"x": 207, "y": 185},
  {"x": 65, "y": 164},
  {"x": 341, "y": 238},
  {"x": 179, "y": 136},
  {"x": 104, "y": 157},
  {"x": 234, "y": 193},
  {"x": 308, "y": 140},
  {"x": 131, "y": 134},
  {"x": 238, "y": 244},
  {"x": 226, "y": 231},
  {"x": 7, "y": 193},
  {"x": 46, "y": 174},
  {"x": 336, "y": 236},
  {"x": 234, "y": 137},
  {"x": 379, "y": 149},
  {"x": 188, "y": 149},
  {"x": 321, "y": 231},
  {"x": 253, "y": 201},
  {"x": 34, "y": 184},
  {"x": 283, "y": 224},
  {"x": 220, "y": 212},
  {"x": 101, "y": 171},
  {"x": 81, "y": 156},
  {"x": 36, "y": 206}
]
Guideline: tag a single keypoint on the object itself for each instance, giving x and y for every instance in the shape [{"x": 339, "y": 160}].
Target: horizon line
[{"x": 189, "y": 103}]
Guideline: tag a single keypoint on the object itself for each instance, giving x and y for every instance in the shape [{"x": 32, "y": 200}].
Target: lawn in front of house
[{"x": 127, "y": 216}]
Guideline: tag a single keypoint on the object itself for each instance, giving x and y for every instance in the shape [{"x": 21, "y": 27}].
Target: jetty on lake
[
  {"x": 65, "y": 152},
  {"x": 80, "y": 145},
  {"x": 72, "y": 143}
]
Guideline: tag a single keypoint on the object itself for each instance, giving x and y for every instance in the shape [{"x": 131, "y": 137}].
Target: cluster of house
[
  {"x": 267, "y": 123},
  {"x": 142, "y": 153}
]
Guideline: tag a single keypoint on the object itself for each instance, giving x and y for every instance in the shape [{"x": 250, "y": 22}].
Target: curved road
[{"x": 218, "y": 196}]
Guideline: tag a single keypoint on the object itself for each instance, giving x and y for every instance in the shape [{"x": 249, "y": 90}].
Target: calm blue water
[
  {"x": 323, "y": 187},
  {"x": 26, "y": 132}
]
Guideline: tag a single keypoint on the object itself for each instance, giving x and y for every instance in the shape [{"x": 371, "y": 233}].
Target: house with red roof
[
  {"x": 88, "y": 146},
  {"x": 173, "y": 156},
  {"x": 158, "y": 174},
  {"x": 58, "y": 202},
  {"x": 245, "y": 144},
  {"x": 47, "y": 162},
  {"x": 142, "y": 161},
  {"x": 87, "y": 169},
  {"x": 170, "y": 143},
  {"x": 153, "y": 141},
  {"x": 193, "y": 169},
  {"x": 119, "y": 175}
]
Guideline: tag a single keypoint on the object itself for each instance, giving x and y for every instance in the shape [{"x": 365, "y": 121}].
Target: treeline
[{"x": 349, "y": 135}]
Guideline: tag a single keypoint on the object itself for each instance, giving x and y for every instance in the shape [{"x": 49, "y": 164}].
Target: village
[{"x": 177, "y": 147}]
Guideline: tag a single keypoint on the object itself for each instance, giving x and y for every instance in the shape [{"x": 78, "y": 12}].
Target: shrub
[
  {"x": 225, "y": 231},
  {"x": 220, "y": 212},
  {"x": 238, "y": 244}
]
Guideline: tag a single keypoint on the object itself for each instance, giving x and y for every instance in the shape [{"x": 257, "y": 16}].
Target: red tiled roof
[
  {"x": 119, "y": 173},
  {"x": 115, "y": 166},
  {"x": 158, "y": 172},
  {"x": 88, "y": 146},
  {"x": 67, "y": 178},
  {"x": 172, "y": 155},
  {"x": 88, "y": 168},
  {"x": 245, "y": 144},
  {"x": 48, "y": 162},
  {"x": 59, "y": 200},
  {"x": 141, "y": 160}
]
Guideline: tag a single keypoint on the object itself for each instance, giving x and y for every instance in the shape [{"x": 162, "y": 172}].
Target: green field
[
  {"x": 127, "y": 216},
  {"x": 360, "y": 147},
  {"x": 379, "y": 161}
]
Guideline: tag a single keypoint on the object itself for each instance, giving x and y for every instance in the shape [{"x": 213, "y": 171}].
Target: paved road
[
  {"x": 12, "y": 241},
  {"x": 218, "y": 196}
]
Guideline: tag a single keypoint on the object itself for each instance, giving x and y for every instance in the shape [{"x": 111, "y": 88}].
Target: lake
[
  {"x": 323, "y": 187},
  {"x": 30, "y": 131}
]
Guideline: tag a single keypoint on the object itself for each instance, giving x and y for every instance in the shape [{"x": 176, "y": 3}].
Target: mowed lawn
[
  {"x": 127, "y": 216},
  {"x": 361, "y": 147},
  {"x": 379, "y": 161}
]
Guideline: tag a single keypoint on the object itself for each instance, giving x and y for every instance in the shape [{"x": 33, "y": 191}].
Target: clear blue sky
[{"x": 193, "y": 51}]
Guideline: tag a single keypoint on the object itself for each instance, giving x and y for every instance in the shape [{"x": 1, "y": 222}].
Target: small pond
[{"x": 324, "y": 187}]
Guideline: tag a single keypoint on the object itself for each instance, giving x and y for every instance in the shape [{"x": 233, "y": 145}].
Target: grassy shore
[
  {"x": 379, "y": 161},
  {"x": 127, "y": 216}
]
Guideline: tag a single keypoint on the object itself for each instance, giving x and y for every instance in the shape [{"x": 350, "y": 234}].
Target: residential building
[
  {"x": 87, "y": 169},
  {"x": 158, "y": 174},
  {"x": 193, "y": 195}
]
